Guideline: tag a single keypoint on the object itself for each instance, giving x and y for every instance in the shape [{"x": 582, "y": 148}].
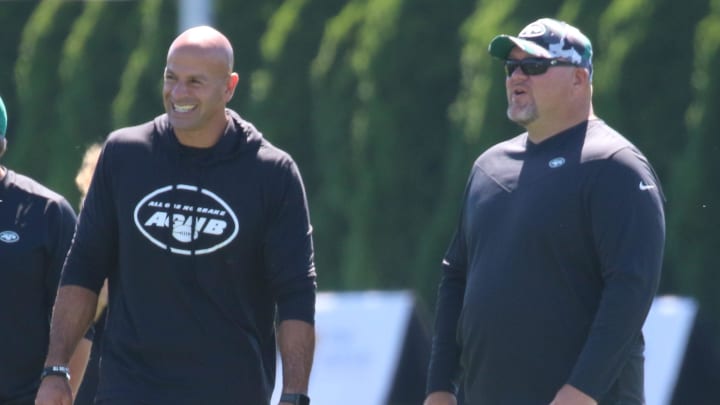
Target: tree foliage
[
  {"x": 88, "y": 80},
  {"x": 36, "y": 80},
  {"x": 384, "y": 104},
  {"x": 140, "y": 82},
  {"x": 13, "y": 17},
  {"x": 694, "y": 208}
]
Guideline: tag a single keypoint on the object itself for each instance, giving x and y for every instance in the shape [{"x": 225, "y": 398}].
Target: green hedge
[{"x": 384, "y": 104}]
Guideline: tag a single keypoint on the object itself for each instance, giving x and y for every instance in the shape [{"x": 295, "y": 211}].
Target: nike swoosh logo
[{"x": 644, "y": 186}]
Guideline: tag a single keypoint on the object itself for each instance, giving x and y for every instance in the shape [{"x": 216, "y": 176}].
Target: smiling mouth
[{"x": 183, "y": 108}]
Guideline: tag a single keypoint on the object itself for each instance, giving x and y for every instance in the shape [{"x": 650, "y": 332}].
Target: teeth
[{"x": 183, "y": 108}]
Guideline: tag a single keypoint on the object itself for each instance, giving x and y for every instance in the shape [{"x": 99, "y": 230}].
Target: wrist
[
  {"x": 57, "y": 370},
  {"x": 295, "y": 399}
]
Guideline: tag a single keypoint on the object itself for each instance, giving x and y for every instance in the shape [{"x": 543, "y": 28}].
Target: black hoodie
[{"x": 199, "y": 245}]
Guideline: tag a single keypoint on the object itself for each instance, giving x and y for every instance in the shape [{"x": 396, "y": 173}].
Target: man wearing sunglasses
[{"x": 557, "y": 254}]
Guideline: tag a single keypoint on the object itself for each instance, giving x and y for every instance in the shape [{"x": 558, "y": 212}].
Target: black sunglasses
[{"x": 533, "y": 66}]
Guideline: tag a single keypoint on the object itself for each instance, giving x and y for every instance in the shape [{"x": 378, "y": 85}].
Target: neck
[
  {"x": 3, "y": 172},
  {"x": 540, "y": 130},
  {"x": 205, "y": 137},
  {"x": 202, "y": 139}
]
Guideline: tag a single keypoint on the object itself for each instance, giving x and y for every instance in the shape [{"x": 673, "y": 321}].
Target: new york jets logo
[
  {"x": 186, "y": 220},
  {"x": 556, "y": 162},
  {"x": 533, "y": 30},
  {"x": 9, "y": 236}
]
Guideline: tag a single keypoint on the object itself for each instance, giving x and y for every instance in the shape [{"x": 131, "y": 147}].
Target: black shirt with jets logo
[
  {"x": 36, "y": 227},
  {"x": 551, "y": 272},
  {"x": 199, "y": 246}
]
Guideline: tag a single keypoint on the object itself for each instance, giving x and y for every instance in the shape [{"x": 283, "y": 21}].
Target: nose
[{"x": 177, "y": 89}]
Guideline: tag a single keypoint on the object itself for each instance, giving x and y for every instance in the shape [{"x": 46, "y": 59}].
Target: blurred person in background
[
  {"x": 87, "y": 168},
  {"x": 557, "y": 254},
  {"x": 201, "y": 227},
  {"x": 36, "y": 227}
]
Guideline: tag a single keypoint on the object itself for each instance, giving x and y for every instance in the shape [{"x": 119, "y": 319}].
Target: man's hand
[
  {"x": 54, "y": 390},
  {"x": 440, "y": 398},
  {"x": 569, "y": 395}
]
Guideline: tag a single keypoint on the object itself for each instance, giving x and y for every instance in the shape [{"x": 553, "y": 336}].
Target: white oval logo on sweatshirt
[
  {"x": 9, "y": 236},
  {"x": 186, "y": 220},
  {"x": 557, "y": 162}
]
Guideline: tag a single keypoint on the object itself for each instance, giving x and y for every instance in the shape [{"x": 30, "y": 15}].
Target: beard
[{"x": 522, "y": 115}]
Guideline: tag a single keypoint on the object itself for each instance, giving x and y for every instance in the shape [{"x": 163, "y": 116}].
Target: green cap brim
[{"x": 501, "y": 46}]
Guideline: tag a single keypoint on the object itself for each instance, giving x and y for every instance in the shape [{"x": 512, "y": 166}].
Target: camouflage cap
[
  {"x": 547, "y": 38},
  {"x": 3, "y": 119}
]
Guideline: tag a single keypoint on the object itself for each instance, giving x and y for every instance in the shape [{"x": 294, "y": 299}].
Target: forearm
[
  {"x": 440, "y": 398},
  {"x": 296, "y": 340},
  {"x": 569, "y": 395},
  {"x": 443, "y": 370},
  {"x": 613, "y": 336},
  {"x": 73, "y": 312},
  {"x": 77, "y": 364}
]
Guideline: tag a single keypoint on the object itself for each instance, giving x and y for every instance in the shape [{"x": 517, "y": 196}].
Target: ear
[
  {"x": 230, "y": 86},
  {"x": 581, "y": 77}
]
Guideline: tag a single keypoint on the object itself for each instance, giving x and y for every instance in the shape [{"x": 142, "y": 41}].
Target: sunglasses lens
[
  {"x": 510, "y": 66},
  {"x": 530, "y": 67},
  {"x": 533, "y": 68}
]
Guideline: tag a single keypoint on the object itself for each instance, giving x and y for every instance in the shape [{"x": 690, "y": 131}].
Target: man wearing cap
[
  {"x": 36, "y": 227},
  {"x": 557, "y": 253}
]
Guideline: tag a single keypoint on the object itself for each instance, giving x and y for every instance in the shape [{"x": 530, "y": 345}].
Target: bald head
[
  {"x": 206, "y": 39},
  {"x": 198, "y": 83}
]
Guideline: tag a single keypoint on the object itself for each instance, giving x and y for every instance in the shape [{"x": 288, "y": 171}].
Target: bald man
[{"x": 201, "y": 227}]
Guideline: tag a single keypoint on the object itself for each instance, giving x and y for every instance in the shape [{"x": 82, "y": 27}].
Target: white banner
[
  {"x": 358, "y": 347},
  {"x": 667, "y": 330}
]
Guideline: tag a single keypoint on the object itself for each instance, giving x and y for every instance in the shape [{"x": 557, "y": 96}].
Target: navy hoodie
[{"x": 199, "y": 245}]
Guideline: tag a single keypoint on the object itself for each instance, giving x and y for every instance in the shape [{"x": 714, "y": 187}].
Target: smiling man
[
  {"x": 201, "y": 227},
  {"x": 557, "y": 253}
]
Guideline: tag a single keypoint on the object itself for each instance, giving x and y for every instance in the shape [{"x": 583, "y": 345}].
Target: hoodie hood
[{"x": 240, "y": 137}]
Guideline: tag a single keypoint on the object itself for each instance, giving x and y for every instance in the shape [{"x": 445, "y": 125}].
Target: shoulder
[
  {"x": 141, "y": 133},
  {"x": 605, "y": 145},
  {"x": 32, "y": 187},
  {"x": 502, "y": 149},
  {"x": 269, "y": 154},
  {"x": 124, "y": 142},
  {"x": 278, "y": 168},
  {"x": 34, "y": 190},
  {"x": 603, "y": 142},
  {"x": 620, "y": 164},
  {"x": 254, "y": 143}
]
